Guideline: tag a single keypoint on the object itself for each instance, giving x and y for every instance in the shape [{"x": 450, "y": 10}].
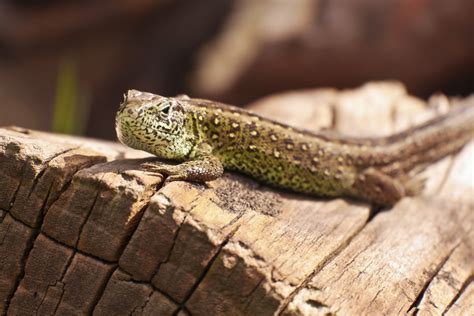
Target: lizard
[{"x": 206, "y": 137}]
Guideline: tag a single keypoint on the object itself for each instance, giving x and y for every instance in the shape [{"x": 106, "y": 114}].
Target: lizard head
[{"x": 155, "y": 124}]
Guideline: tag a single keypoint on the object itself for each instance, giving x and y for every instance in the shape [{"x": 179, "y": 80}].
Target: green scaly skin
[{"x": 207, "y": 137}]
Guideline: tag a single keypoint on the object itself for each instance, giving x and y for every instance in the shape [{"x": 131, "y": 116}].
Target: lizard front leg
[{"x": 200, "y": 169}]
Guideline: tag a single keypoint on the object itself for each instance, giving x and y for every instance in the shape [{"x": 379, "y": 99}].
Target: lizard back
[
  {"x": 318, "y": 162},
  {"x": 207, "y": 136}
]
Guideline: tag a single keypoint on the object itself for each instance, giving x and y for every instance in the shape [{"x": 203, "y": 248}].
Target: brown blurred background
[{"x": 64, "y": 65}]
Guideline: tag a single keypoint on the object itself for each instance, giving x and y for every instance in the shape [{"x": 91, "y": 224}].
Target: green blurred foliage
[{"x": 70, "y": 107}]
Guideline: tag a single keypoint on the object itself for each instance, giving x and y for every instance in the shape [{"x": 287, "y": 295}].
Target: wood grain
[{"x": 83, "y": 230}]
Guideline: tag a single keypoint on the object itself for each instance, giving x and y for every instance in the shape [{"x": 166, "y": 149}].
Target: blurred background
[{"x": 64, "y": 65}]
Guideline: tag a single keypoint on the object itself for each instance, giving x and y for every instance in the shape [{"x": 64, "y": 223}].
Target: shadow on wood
[{"x": 83, "y": 229}]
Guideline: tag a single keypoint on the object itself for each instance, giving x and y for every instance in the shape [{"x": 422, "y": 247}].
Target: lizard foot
[
  {"x": 379, "y": 188},
  {"x": 202, "y": 169}
]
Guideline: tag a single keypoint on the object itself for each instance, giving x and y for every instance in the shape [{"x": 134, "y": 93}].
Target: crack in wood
[
  {"x": 138, "y": 310},
  {"x": 191, "y": 291},
  {"x": 6, "y": 232},
  {"x": 45, "y": 167},
  {"x": 23, "y": 261},
  {"x": 78, "y": 251},
  {"x": 375, "y": 297},
  {"x": 89, "y": 212},
  {"x": 173, "y": 244},
  {"x": 22, "y": 265},
  {"x": 148, "y": 197},
  {"x": 3, "y": 213},
  {"x": 146, "y": 283},
  {"x": 59, "y": 301},
  {"x": 250, "y": 295},
  {"x": 65, "y": 187},
  {"x": 413, "y": 308},
  {"x": 463, "y": 288},
  {"x": 204, "y": 274},
  {"x": 101, "y": 290},
  {"x": 43, "y": 205},
  {"x": 23, "y": 177},
  {"x": 354, "y": 258},
  {"x": 35, "y": 230},
  {"x": 170, "y": 208},
  {"x": 64, "y": 271},
  {"x": 46, "y": 294},
  {"x": 327, "y": 260},
  {"x": 13, "y": 216}
]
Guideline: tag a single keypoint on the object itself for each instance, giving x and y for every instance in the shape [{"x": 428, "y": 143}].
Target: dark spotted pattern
[{"x": 316, "y": 163}]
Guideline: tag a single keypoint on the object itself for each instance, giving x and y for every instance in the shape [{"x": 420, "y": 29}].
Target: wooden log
[{"x": 83, "y": 230}]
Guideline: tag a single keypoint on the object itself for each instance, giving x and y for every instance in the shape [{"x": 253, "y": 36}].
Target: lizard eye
[{"x": 166, "y": 110}]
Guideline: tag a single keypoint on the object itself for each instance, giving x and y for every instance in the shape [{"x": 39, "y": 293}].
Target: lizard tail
[{"x": 431, "y": 141}]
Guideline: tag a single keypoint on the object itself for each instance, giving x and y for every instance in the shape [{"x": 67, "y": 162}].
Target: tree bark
[{"x": 83, "y": 230}]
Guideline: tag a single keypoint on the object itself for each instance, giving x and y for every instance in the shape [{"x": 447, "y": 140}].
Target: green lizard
[{"x": 207, "y": 137}]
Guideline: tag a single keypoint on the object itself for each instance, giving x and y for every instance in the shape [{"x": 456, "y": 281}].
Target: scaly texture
[{"x": 210, "y": 136}]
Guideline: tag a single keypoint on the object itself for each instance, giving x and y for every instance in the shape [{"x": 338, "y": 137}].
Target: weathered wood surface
[{"x": 83, "y": 230}]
